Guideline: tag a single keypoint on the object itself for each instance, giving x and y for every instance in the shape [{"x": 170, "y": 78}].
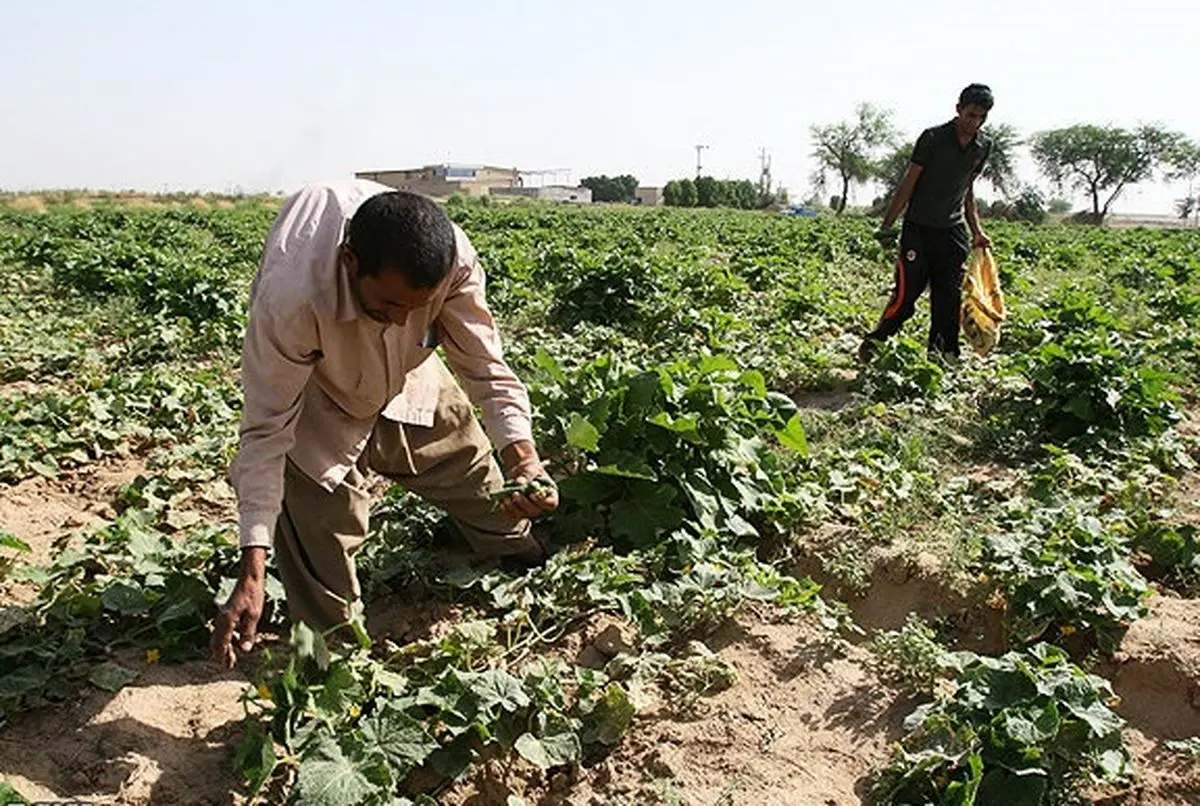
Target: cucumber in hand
[{"x": 538, "y": 489}]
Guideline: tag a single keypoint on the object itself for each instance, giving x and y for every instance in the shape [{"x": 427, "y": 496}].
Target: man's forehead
[{"x": 394, "y": 286}]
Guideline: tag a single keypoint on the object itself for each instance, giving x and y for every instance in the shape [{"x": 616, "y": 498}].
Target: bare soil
[
  {"x": 40, "y": 510},
  {"x": 806, "y": 722}
]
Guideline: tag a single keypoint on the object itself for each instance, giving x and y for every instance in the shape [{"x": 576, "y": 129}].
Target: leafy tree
[
  {"x": 1182, "y": 160},
  {"x": 1001, "y": 166},
  {"x": 680, "y": 193},
  {"x": 1185, "y": 207},
  {"x": 742, "y": 194},
  {"x": 850, "y": 149},
  {"x": 890, "y": 172},
  {"x": 671, "y": 194},
  {"x": 1103, "y": 160},
  {"x": 709, "y": 192},
  {"x": 1028, "y": 205},
  {"x": 611, "y": 188},
  {"x": 1058, "y": 206}
]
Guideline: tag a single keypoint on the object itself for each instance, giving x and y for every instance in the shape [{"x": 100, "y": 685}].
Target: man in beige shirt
[{"x": 357, "y": 287}]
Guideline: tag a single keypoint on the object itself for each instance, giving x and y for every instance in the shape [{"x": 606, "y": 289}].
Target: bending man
[{"x": 357, "y": 286}]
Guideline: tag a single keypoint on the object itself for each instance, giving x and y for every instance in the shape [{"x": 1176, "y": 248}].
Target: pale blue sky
[{"x": 268, "y": 95}]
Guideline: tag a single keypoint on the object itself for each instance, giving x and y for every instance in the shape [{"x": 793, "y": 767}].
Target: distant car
[{"x": 801, "y": 212}]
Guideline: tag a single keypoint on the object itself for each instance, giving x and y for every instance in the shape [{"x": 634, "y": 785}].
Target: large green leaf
[
  {"x": 111, "y": 676},
  {"x": 402, "y": 739},
  {"x": 340, "y": 692},
  {"x": 685, "y": 425},
  {"x": 610, "y": 716},
  {"x": 22, "y": 681},
  {"x": 624, "y": 464},
  {"x": 554, "y": 750},
  {"x": 310, "y": 644},
  {"x": 588, "y": 489},
  {"x": 648, "y": 510},
  {"x": 498, "y": 687},
  {"x": 792, "y": 436},
  {"x": 1002, "y": 788},
  {"x": 125, "y": 598},
  {"x": 254, "y": 758},
  {"x": 582, "y": 434},
  {"x": 327, "y": 777}
]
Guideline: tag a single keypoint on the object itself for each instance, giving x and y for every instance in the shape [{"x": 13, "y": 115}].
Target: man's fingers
[
  {"x": 247, "y": 629},
  {"x": 526, "y": 507},
  {"x": 514, "y": 509},
  {"x": 222, "y": 628},
  {"x": 222, "y": 636}
]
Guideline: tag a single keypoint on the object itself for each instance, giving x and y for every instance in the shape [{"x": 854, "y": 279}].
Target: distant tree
[
  {"x": 1183, "y": 160},
  {"x": 1185, "y": 207},
  {"x": 629, "y": 186},
  {"x": 742, "y": 194},
  {"x": 1001, "y": 166},
  {"x": 1030, "y": 205},
  {"x": 671, "y": 193},
  {"x": 1102, "y": 161},
  {"x": 611, "y": 188},
  {"x": 680, "y": 193},
  {"x": 850, "y": 149},
  {"x": 709, "y": 192},
  {"x": 1184, "y": 165},
  {"x": 1058, "y": 206},
  {"x": 890, "y": 172}
]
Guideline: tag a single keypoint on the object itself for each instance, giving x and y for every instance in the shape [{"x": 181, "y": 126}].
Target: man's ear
[{"x": 348, "y": 259}]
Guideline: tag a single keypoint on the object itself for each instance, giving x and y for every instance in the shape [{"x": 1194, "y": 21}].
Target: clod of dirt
[
  {"x": 612, "y": 641},
  {"x": 1159, "y": 678}
]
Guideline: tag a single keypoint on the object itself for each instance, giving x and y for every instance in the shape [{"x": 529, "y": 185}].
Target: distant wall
[{"x": 557, "y": 193}]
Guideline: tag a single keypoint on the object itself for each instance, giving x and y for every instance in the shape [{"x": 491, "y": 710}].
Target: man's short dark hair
[
  {"x": 406, "y": 233},
  {"x": 977, "y": 95}
]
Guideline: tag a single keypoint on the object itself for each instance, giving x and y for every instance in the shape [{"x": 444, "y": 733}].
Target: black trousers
[{"x": 933, "y": 257}]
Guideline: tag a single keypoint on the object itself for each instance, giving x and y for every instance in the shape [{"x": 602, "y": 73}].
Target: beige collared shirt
[{"x": 317, "y": 371}]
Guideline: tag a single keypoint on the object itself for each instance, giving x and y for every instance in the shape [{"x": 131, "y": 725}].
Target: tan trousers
[{"x": 449, "y": 464}]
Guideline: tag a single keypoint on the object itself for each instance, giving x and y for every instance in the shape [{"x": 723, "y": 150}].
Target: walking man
[
  {"x": 357, "y": 286},
  {"x": 937, "y": 197}
]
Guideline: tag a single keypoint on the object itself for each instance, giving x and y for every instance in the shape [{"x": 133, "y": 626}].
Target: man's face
[
  {"x": 387, "y": 298},
  {"x": 971, "y": 118}
]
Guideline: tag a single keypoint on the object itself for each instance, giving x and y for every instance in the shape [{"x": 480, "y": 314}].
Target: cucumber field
[{"x": 779, "y": 577}]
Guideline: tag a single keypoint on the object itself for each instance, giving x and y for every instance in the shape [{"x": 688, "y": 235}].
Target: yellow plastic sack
[{"x": 982, "y": 302}]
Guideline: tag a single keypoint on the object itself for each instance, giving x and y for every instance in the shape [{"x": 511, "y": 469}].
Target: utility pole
[
  {"x": 698, "y": 150},
  {"x": 764, "y": 176}
]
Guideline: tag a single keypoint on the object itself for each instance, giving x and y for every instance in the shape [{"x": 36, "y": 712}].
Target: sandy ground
[{"x": 804, "y": 724}]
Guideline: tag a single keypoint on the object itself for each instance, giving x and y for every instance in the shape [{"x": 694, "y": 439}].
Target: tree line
[
  {"x": 611, "y": 188},
  {"x": 1098, "y": 161},
  {"x": 705, "y": 191}
]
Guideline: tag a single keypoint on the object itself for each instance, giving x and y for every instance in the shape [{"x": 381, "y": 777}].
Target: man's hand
[
  {"x": 888, "y": 237},
  {"x": 522, "y": 467},
  {"x": 243, "y": 610},
  {"x": 981, "y": 241}
]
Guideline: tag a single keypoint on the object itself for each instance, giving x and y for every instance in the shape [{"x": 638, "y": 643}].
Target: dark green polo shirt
[{"x": 947, "y": 170}]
